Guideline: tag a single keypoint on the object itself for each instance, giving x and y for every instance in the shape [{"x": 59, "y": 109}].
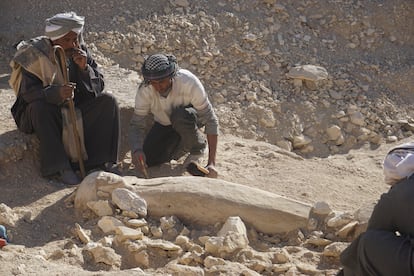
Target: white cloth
[
  {"x": 62, "y": 23},
  {"x": 399, "y": 163}
]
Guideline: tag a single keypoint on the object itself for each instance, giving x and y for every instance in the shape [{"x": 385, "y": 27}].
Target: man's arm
[
  {"x": 136, "y": 132},
  {"x": 31, "y": 89},
  {"x": 87, "y": 76},
  {"x": 212, "y": 149},
  {"x": 395, "y": 209},
  {"x": 136, "y": 137},
  {"x": 208, "y": 118},
  {"x": 382, "y": 215}
]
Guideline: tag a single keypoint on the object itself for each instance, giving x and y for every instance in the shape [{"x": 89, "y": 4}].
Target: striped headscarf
[{"x": 62, "y": 23}]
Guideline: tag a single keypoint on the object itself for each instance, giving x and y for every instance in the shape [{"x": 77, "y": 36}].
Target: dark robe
[
  {"x": 386, "y": 248},
  {"x": 100, "y": 113}
]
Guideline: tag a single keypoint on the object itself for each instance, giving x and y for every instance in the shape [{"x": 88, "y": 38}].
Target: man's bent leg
[
  {"x": 184, "y": 121},
  {"x": 385, "y": 253},
  {"x": 101, "y": 127},
  {"x": 160, "y": 144},
  {"x": 47, "y": 123}
]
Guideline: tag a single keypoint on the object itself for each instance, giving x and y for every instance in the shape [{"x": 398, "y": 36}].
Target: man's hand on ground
[
  {"x": 139, "y": 161},
  {"x": 212, "y": 172}
]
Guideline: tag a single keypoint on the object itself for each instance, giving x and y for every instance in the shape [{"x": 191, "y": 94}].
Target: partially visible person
[
  {"x": 41, "y": 93},
  {"x": 387, "y": 247},
  {"x": 180, "y": 107},
  {"x": 399, "y": 163},
  {"x": 4, "y": 240}
]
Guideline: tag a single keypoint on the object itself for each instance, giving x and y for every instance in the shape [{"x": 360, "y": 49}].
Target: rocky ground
[{"x": 306, "y": 139}]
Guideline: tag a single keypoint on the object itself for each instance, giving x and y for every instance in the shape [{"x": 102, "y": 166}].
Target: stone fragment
[
  {"x": 102, "y": 254},
  {"x": 100, "y": 207},
  {"x": 83, "y": 236},
  {"x": 125, "y": 233},
  {"x": 108, "y": 224},
  {"x": 334, "y": 249},
  {"x": 129, "y": 201},
  {"x": 308, "y": 72}
]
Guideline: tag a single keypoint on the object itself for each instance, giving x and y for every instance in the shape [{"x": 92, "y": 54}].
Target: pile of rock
[
  {"x": 244, "y": 53},
  {"x": 121, "y": 231},
  {"x": 260, "y": 74}
]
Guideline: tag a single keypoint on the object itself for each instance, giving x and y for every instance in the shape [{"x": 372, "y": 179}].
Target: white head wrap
[
  {"x": 62, "y": 23},
  {"x": 399, "y": 163}
]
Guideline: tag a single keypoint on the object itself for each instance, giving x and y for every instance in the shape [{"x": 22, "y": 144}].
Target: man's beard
[{"x": 166, "y": 91}]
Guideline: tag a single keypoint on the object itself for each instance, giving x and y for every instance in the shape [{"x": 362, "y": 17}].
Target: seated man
[
  {"x": 41, "y": 93},
  {"x": 180, "y": 107},
  {"x": 387, "y": 247}
]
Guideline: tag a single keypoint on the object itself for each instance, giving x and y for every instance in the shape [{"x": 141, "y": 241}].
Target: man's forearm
[
  {"x": 212, "y": 148},
  {"x": 136, "y": 132}
]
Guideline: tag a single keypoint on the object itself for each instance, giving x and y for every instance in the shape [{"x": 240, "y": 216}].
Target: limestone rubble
[
  {"x": 314, "y": 78},
  {"x": 126, "y": 239}
]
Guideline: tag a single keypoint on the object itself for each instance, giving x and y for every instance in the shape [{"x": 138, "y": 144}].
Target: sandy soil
[{"x": 347, "y": 181}]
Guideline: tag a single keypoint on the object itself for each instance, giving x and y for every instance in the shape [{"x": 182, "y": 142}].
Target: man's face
[
  {"x": 161, "y": 86},
  {"x": 69, "y": 42}
]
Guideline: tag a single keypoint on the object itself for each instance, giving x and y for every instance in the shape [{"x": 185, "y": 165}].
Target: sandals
[{"x": 196, "y": 169}]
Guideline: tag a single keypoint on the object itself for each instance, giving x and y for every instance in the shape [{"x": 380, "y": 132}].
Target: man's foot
[
  {"x": 196, "y": 169},
  {"x": 106, "y": 167},
  {"x": 69, "y": 177},
  {"x": 193, "y": 157},
  {"x": 111, "y": 168}
]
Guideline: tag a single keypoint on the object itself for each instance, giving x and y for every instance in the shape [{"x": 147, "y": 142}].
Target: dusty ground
[{"x": 346, "y": 181}]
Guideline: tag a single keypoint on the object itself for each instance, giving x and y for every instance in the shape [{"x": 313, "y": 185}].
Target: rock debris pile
[
  {"x": 260, "y": 72},
  {"x": 118, "y": 235}
]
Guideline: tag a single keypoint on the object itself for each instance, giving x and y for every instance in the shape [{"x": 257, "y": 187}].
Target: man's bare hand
[
  {"x": 139, "y": 161},
  {"x": 212, "y": 172},
  {"x": 66, "y": 91},
  {"x": 79, "y": 57}
]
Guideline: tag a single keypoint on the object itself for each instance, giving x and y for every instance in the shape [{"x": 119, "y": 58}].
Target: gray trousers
[{"x": 164, "y": 143}]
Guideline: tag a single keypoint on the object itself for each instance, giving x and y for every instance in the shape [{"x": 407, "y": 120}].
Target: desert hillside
[
  {"x": 246, "y": 54},
  {"x": 283, "y": 129}
]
